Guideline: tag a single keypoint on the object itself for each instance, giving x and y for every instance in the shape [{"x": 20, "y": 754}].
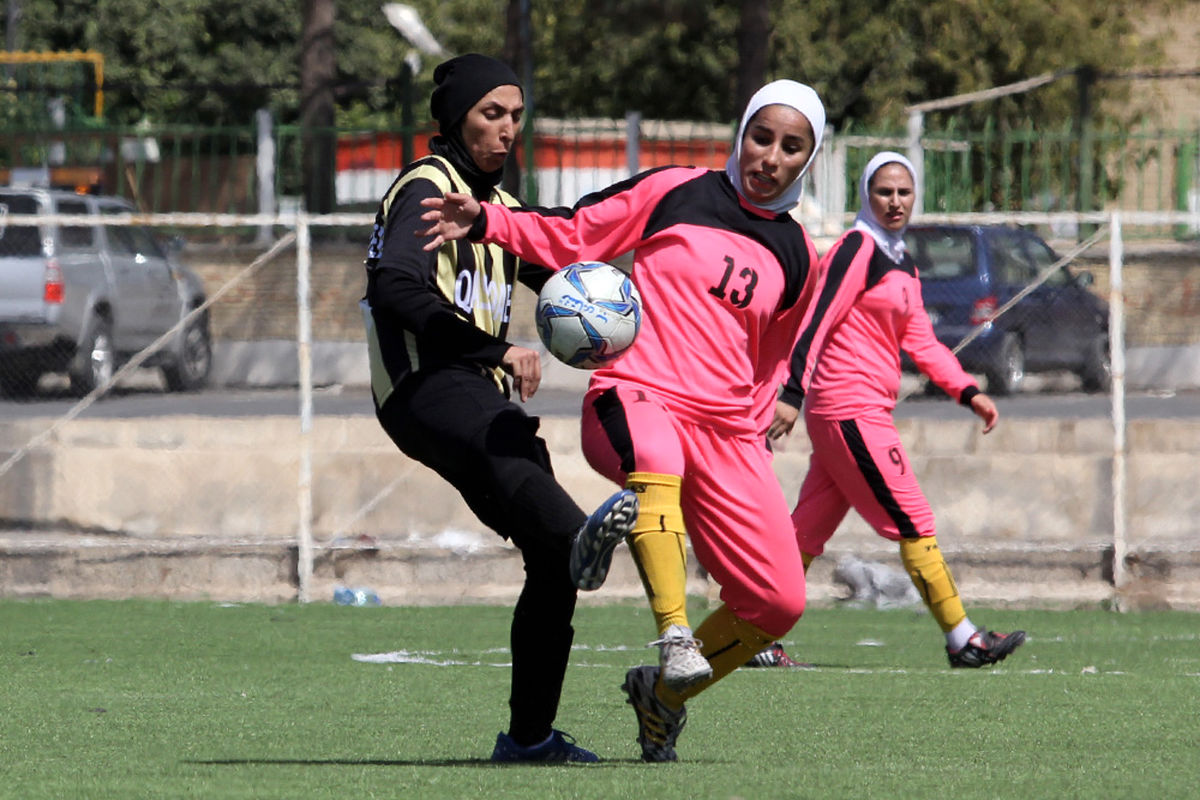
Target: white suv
[{"x": 81, "y": 299}]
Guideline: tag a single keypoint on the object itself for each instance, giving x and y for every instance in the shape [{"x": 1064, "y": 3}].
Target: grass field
[{"x": 200, "y": 700}]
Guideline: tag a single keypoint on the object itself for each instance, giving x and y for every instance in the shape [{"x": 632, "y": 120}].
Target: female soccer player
[
  {"x": 726, "y": 276},
  {"x": 848, "y": 381},
  {"x": 440, "y": 369}
]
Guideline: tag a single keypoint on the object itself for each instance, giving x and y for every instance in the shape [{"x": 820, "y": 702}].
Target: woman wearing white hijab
[
  {"x": 726, "y": 275},
  {"x": 846, "y": 372}
]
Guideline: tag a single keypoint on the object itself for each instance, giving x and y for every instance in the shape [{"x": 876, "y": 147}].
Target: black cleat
[
  {"x": 773, "y": 655},
  {"x": 984, "y": 648},
  {"x": 658, "y": 726}
]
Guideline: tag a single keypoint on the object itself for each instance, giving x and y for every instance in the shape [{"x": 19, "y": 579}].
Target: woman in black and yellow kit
[{"x": 436, "y": 324}]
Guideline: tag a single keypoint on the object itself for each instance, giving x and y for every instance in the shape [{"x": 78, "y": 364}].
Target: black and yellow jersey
[{"x": 426, "y": 310}]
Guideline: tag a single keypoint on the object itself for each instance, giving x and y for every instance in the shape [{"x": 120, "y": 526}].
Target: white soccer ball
[{"x": 588, "y": 314}]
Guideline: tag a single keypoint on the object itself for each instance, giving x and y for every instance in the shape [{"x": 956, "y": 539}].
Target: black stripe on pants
[{"x": 875, "y": 480}]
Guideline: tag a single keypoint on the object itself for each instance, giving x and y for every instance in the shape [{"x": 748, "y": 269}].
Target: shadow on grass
[{"x": 392, "y": 762}]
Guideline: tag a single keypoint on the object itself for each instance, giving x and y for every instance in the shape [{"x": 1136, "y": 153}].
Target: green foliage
[
  {"x": 669, "y": 60},
  {"x": 212, "y": 61},
  {"x": 872, "y": 59},
  {"x": 143, "y": 699},
  {"x": 216, "y": 61}
]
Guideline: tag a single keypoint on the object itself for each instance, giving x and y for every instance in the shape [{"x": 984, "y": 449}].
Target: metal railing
[{"x": 262, "y": 169}]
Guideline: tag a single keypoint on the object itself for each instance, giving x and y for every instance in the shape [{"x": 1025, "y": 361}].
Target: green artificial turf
[{"x": 144, "y": 699}]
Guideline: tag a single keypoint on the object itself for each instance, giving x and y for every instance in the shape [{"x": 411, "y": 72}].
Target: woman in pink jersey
[
  {"x": 847, "y": 376},
  {"x": 726, "y": 276}
]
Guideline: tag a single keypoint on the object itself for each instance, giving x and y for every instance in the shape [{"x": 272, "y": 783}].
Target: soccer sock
[
  {"x": 659, "y": 546},
  {"x": 925, "y": 565},
  {"x": 959, "y": 635},
  {"x": 728, "y": 642}
]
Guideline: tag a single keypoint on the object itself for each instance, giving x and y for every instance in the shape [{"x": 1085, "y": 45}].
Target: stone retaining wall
[{"x": 194, "y": 507}]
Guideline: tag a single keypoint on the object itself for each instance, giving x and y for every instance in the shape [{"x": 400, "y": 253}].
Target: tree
[
  {"x": 871, "y": 59},
  {"x": 216, "y": 61},
  {"x": 183, "y": 61},
  {"x": 318, "y": 66},
  {"x": 754, "y": 33}
]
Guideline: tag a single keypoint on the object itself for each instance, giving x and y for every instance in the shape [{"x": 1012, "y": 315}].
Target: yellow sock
[
  {"x": 659, "y": 546},
  {"x": 728, "y": 643},
  {"x": 923, "y": 559}
]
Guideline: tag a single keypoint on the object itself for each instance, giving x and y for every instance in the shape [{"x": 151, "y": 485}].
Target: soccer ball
[{"x": 588, "y": 314}]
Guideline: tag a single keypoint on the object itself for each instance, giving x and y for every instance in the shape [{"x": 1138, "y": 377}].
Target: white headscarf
[
  {"x": 785, "y": 93},
  {"x": 891, "y": 243}
]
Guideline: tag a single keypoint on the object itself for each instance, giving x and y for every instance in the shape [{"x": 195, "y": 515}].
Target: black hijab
[{"x": 461, "y": 83}]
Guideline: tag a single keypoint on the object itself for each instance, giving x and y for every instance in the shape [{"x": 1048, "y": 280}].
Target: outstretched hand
[
  {"x": 450, "y": 218},
  {"x": 985, "y": 409}
]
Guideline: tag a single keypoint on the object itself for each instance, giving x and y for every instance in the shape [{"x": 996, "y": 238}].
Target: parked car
[
  {"x": 969, "y": 272},
  {"x": 82, "y": 299}
]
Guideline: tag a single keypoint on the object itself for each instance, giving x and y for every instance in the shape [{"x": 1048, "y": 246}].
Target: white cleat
[{"x": 680, "y": 660}]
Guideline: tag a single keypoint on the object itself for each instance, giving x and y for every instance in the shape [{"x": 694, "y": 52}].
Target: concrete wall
[{"x": 196, "y": 507}]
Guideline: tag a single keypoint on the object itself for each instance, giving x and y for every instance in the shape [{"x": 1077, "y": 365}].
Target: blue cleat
[
  {"x": 592, "y": 550},
  {"x": 559, "y": 748}
]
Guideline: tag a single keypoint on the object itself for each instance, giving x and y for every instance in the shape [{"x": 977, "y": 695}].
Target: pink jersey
[
  {"x": 724, "y": 286},
  {"x": 869, "y": 308}
]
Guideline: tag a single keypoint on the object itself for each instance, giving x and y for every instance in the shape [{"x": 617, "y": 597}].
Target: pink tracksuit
[
  {"x": 724, "y": 288},
  {"x": 849, "y": 380}
]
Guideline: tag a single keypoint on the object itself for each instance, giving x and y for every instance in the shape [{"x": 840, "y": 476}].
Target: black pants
[{"x": 457, "y": 423}]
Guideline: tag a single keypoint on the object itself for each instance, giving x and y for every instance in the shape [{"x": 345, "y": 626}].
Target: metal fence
[
  {"x": 263, "y": 168},
  {"x": 221, "y": 494}
]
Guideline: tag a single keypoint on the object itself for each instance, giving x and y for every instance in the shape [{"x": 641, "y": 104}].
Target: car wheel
[
  {"x": 95, "y": 361},
  {"x": 18, "y": 381},
  {"x": 189, "y": 371},
  {"x": 1006, "y": 374},
  {"x": 1096, "y": 372}
]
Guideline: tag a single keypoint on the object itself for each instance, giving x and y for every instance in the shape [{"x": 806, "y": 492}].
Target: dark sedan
[{"x": 969, "y": 272}]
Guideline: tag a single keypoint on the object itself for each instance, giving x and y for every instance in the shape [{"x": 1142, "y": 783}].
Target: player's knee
[{"x": 777, "y": 612}]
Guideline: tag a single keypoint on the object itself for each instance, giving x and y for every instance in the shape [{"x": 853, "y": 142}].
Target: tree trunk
[
  {"x": 516, "y": 55},
  {"x": 318, "y": 69},
  {"x": 754, "y": 33}
]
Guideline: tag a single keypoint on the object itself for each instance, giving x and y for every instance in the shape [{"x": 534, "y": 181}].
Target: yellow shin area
[
  {"x": 659, "y": 546},
  {"x": 923, "y": 560}
]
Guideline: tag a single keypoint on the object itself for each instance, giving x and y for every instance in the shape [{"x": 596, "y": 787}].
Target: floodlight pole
[{"x": 407, "y": 20}]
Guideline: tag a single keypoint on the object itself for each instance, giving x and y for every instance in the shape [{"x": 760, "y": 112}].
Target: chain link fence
[{"x": 218, "y": 440}]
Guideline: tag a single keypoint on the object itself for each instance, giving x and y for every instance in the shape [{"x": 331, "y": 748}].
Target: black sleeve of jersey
[
  {"x": 402, "y": 285},
  {"x": 839, "y": 265},
  {"x": 533, "y": 275}
]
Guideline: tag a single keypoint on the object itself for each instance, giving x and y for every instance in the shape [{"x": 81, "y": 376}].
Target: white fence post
[
  {"x": 264, "y": 167},
  {"x": 304, "y": 565},
  {"x": 916, "y": 154},
  {"x": 633, "y": 142},
  {"x": 1116, "y": 336}
]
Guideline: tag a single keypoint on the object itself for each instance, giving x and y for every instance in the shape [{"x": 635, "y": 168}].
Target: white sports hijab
[
  {"x": 785, "y": 93},
  {"x": 890, "y": 243}
]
